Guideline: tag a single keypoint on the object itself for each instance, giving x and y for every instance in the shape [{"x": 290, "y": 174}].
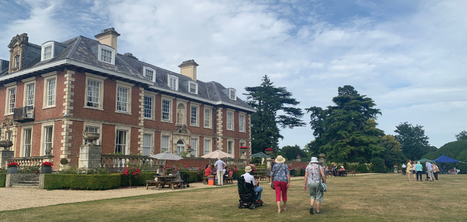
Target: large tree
[
  {"x": 291, "y": 152},
  {"x": 414, "y": 143},
  {"x": 392, "y": 151},
  {"x": 461, "y": 136},
  {"x": 347, "y": 131},
  {"x": 274, "y": 107}
]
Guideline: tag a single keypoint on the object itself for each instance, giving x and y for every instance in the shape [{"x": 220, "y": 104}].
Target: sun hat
[
  {"x": 280, "y": 159},
  {"x": 247, "y": 169},
  {"x": 314, "y": 160}
]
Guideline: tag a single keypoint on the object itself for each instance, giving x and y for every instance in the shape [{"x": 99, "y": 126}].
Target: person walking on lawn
[
  {"x": 313, "y": 175},
  {"x": 429, "y": 170},
  {"x": 419, "y": 168},
  {"x": 280, "y": 176},
  {"x": 220, "y": 165},
  {"x": 409, "y": 167}
]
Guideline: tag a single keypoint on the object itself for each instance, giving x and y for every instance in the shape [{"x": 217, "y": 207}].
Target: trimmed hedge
[
  {"x": 140, "y": 181},
  {"x": 2, "y": 179},
  {"x": 82, "y": 181}
]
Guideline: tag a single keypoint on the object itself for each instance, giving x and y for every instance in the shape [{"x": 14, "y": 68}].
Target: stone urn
[
  {"x": 90, "y": 136},
  {"x": 6, "y": 144},
  {"x": 189, "y": 149},
  {"x": 12, "y": 170}
]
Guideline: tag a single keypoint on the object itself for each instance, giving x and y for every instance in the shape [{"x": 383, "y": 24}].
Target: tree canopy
[
  {"x": 462, "y": 136},
  {"x": 274, "y": 107},
  {"x": 291, "y": 152},
  {"x": 347, "y": 131},
  {"x": 414, "y": 143}
]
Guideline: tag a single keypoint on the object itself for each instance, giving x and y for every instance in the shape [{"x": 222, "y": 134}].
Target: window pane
[
  {"x": 165, "y": 144},
  {"x": 12, "y": 99},
  {"x": 122, "y": 99},
  {"x": 230, "y": 147},
  {"x": 149, "y": 75},
  {"x": 229, "y": 120},
  {"x": 207, "y": 117},
  {"x": 147, "y": 144},
  {"x": 51, "y": 92},
  {"x": 241, "y": 122},
  {"x": 106, "y": 55},
  {"x": 165, "y": 110},
  {"x": 207, "y": 146},
  {"x": 48, "y": 132},
  {"x": 48, "y": 52},
  {"x": 30, "y": 94},
  {"x": 148, "y": 107},
  {"x": 193, "y": 87},
  {"x": 93, "y": 98},
  {"x": 120, "y": 141},
  {"x": 27, "y": 143},
  {"x": 194, "y": 146},
  {"x": 194, "y": 115}
]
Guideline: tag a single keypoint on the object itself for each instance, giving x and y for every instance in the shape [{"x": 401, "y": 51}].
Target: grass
[{"x": 369, "y": 197}]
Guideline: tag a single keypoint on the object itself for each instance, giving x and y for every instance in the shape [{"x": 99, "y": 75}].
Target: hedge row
[
  {"x": 2, "y": 179},
  {"x": 82, "y": 181}
]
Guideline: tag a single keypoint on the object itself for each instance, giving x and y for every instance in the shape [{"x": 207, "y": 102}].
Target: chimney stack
[
  {"x": 188, "y": 68},
  {"x": 108, "y": 37}
]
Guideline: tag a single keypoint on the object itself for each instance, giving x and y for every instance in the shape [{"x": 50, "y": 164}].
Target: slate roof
[{"x": 84, "y": 51}]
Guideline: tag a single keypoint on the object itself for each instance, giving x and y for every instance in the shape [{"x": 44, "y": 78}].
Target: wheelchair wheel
[{"x": 240, "y": 206}]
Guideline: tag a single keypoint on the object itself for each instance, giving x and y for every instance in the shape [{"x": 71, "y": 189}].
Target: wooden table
[
  {"x": 261, "y": 175},
  {"x": 164, "y": 180}
]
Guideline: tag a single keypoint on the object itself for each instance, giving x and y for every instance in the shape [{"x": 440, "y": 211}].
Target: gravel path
[{"x": 20, "y": 198}]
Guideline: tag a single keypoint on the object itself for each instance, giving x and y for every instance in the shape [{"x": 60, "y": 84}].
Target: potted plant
[
  {"x": 188, "y": 148},
  {"x": 12, "y": 168},
  {"x": 269, "y": 151},
  {"x": 46, "y": 167}
]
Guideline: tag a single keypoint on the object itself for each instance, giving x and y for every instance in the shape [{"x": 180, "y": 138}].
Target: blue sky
[{"x": 408, "y": 56}]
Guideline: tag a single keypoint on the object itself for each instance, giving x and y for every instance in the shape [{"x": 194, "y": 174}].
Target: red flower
[
  {"x": 185, "y": 165},
  {"x": 198, "y": 173},
  {"x": 37, "y": 171},
  {"x": 13, "y": 164},
  {"x": 269, "y": 149},
  {"x": 254, "y": 169},
  {"x": 47, "y": 164},
  {"x": 243, "y": 147}
]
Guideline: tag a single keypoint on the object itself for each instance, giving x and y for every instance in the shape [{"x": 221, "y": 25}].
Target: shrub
[
  {"x": 2, "y": 179},
  {"x": 82, "y": 181},
  {"x": 194, "y": 176},
  {"x": 378, "y": 165},
  {"x": 140, "y": 181},
  {"x": 363, "y": 168}
]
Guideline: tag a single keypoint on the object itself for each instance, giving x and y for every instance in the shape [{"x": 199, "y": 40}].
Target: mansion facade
[{"x": 57, "y": 90}]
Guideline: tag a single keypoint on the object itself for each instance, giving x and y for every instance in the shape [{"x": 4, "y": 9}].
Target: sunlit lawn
[{"x": 370, "y": 197}]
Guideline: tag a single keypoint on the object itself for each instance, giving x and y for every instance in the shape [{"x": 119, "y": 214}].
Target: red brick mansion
[{"x": 56, "y": 90}]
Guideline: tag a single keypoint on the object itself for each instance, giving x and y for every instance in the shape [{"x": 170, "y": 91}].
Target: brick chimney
[
  {"x": 188, "y": 68},
  {"x": 108, "y": 37}
]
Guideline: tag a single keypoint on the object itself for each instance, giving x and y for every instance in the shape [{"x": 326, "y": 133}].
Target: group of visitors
[
  {"x": 432, "y": 170},
  {"x": 334, "y": 171},
  {"x": 218, "y": 170},
  {"x": 280, "y": 177}
]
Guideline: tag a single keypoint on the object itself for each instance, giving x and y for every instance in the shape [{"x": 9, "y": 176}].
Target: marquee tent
[{"x": 445, "y": 159}]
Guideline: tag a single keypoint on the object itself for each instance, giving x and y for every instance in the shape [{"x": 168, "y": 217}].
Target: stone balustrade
[
  {"x": 30, "y": 161},
  {"x": 115, "y": 163}
]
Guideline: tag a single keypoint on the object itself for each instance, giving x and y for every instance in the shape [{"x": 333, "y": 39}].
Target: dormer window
[
  {"x": 193, "y": 87},
  {"x": 47, "y": 51},
  {"x": 232, "y": 94},
  {"x": 17, "y": 61},
  {"x": 173, "y": 82},
  {"x": 106, "y": 54},
  {"x": 149, "y": 74}
]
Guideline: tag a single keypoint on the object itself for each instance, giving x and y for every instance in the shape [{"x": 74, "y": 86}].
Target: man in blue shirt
[{"x": 251, "y": 179}]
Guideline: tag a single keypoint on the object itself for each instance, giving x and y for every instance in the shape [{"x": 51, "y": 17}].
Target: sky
[{"x": 410, "y": 57}]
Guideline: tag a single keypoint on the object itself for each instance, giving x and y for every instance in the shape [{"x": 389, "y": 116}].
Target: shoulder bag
[
  {"x": 322, "y": 185},
  {"x": 272, "y": 182}
]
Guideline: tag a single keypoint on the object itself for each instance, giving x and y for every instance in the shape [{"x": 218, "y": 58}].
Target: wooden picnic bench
[
  {"x": 164, "y": 180},
  {"x": 228, "y": 180},
  {"x": 174, "y": 183},
  {"x": 158, "y": 184}
]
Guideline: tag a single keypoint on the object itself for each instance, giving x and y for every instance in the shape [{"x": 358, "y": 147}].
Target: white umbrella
[
  {"x": 217, "y": 154},
  {"x": 166, "y": 156}
]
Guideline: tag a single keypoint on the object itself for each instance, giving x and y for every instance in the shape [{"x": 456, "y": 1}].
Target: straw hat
[
  {"x": 280, "y": 159},
  {"x": 314, "y": 160},
  {"x": 247, "y": 169}
]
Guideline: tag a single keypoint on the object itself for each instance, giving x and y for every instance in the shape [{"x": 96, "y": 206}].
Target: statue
[{"x": 48, "y": 151}]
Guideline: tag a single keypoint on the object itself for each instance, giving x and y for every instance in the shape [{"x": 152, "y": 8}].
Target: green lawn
[{"x": 370, "y": 197}]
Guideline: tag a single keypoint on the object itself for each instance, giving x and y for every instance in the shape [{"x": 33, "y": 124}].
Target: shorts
[{"x": 315, "y": 192}]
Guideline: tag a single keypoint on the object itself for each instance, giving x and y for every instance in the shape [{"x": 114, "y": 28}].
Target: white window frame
[
  {"x": 231, "y": 147},
  {"x": 171, "y": 78},
  {"x": 153, "y": 72},
  {"x": 106, "y": 47},
  {"x": 208, "y": 143},
  {"x": 232, "y": 94},
  {"x": 129, "y": 87},
  {"x": 100, "y": 80},
  {"x": 23, "y": 141},
  {"x": 126, "y": 150},
  {"x": 52, "y": 53},
  {"x": 26, "y": 93},
  {"x": 47, "y": 78},
  {"x": 43, "y": 136},
  {"x": 241, "y": 122},
  {"x": 8, "y": 108},
  {"x": 170, "y": 100},
  {"x": 149, "y": 146},
  {"x": 94, "y": 125},
  {"x": 230, "y": 122},
  {"x": 17, "y": 61},
  {"x": 152, "y": 107},
  {"x": 207, "y": 118},
  {"x": 190, "y": 83},
  {"x": 194, "y": 143},
  {"x": 194, "y": 120},
  {"x": 169, "y": 139}
]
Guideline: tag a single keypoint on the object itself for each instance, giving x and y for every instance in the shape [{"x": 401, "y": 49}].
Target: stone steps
[{"x": 25, "y": 180}]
